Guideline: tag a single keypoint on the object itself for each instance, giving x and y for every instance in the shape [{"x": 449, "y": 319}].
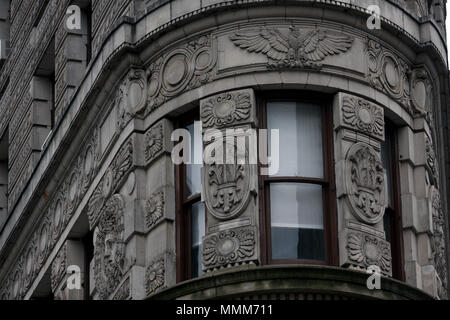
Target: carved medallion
[
  {"x": 226, "y": 109},
  {"x": 363, "y": 116},
  {"x": 229, "y": 247},
  {"x": 109, "y": 248},
  {"x": 180, "y": 69},
  {"x": 155, "y": 276},
  {"x": 296, "y": 49},
  {"x": 366, "y": 250},
  {"x": 365, "y": 183},
  {"x": 388, "y": 73}
]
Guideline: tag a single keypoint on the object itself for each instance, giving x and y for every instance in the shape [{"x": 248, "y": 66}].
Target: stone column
[
  {"x": 156, "y": 204},
  {"x": 70, "y": 259},
  {"x": 361, "y": 184},
  {"x": 423, "y": 220},
  {"x": 230, "y": 190}
]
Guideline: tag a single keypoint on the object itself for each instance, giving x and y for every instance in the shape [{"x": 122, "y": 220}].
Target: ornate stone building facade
[{"x": 88, "y": 187}]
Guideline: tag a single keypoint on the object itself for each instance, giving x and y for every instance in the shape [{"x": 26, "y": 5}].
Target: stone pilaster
[
  {"x": 423, "y": 220},
  {"x": 230, "y": 188},
  {"x": 70, "y": 62},
  {"x": 361, "y": 184},
  {"x": 155, "y": 206}
]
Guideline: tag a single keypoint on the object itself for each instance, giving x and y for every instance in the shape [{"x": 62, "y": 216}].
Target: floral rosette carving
[
  {"x": 153, "y": 142},
  {"x": 109, "y": 248},
  {"x": 366, "y": 250},
  {"x": 154, "y": 209},
  {"x": 155, "y": 276},
  {"x": 229, "y": 247},
  {"x": 363, "y": 116},
  {"x": 365, "y": 183},
  {"x": 226, "y": 109}
]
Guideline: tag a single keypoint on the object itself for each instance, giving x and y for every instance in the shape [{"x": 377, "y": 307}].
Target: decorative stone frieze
[
  {"x": 132, "y": 96},
  {"x": 109, "y": 248},
  {"x": 180, "y": 69},
  {"x": 113, "y": 178},
  {"x": 59, "y": 267},
  {"x": 295, "y": 49},
  {"x": 229, "y": 189},
  {"x": 438, "y": 242},
  {"x": 388, "y": 73}
]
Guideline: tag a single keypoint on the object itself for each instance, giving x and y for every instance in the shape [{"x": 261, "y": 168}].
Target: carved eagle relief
[{"x": 295, "y": 50}]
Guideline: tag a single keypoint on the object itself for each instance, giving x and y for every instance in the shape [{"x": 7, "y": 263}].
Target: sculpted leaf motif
[{"x": 297, "y": 49}]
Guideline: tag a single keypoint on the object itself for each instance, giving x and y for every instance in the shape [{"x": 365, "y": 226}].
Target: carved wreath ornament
[
  {"x": 365, "y": 183},
  {"x": 298, "y": 49}
]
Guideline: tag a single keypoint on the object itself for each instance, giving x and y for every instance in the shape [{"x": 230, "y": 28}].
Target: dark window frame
[
  {"x": 395, "y": 211},
  {"x": 327, "y": 183},
  {"x": 184, "y": 209}
]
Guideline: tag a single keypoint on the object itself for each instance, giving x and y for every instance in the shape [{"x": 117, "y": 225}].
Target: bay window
[{"x": 298, "y": 202}]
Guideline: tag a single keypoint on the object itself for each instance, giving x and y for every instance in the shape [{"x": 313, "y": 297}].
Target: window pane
[
  {"x": 193, "y": 171},
  {"x": 300, "y": 125},
  {"x": 386, "y": 159},
  {"x": 297, "y": 221},
  {"x": 197, "y": 233}
]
